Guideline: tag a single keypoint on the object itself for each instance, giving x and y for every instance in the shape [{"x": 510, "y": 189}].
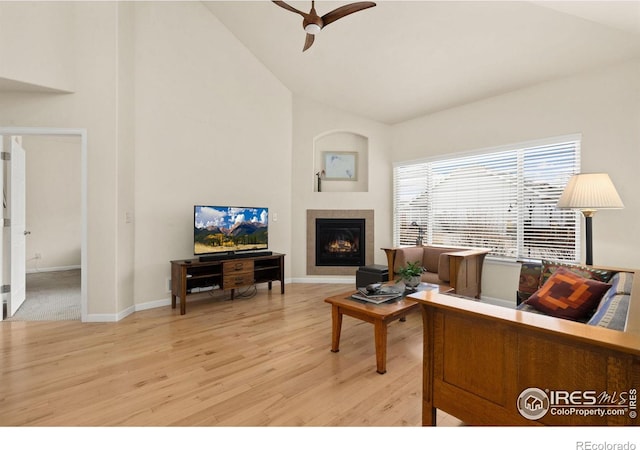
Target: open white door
[{"x": 17, "y": 208}]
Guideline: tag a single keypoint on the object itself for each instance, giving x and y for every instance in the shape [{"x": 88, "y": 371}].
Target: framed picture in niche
[{"x": 340, "y": 165}]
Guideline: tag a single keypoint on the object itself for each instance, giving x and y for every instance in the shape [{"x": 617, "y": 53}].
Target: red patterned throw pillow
[{"x": 568, "y": 296}]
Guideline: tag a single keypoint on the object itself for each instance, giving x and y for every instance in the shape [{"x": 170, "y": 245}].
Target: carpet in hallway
[{"x": 51, "y": 296}]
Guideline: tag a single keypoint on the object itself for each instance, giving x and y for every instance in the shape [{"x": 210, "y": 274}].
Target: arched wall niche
[{"x": 341, "y": 161}]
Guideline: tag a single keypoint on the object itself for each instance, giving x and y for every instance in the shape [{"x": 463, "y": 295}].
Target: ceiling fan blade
[
  {"x": 290, "y": 8},
  {"x": 345, "y": 10},
  {"x": 308, "y": 41}
]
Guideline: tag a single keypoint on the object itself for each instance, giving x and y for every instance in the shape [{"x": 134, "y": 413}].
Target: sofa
[
  {"x": 493, "y": 365},
  {"x": 459, "y": 268}
]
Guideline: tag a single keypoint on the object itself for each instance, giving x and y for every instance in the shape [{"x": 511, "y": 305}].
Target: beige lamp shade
[{"x": 590, "y": 192}]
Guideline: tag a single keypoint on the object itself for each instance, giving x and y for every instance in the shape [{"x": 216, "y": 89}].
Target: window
[{"x": 503, "y": 199}]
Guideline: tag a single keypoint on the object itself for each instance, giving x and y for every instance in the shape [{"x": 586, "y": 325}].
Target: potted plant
[{"x": 410, "y": 274}]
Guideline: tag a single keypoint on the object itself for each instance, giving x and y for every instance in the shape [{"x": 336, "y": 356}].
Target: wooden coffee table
[{"x": 379, "y": 315}]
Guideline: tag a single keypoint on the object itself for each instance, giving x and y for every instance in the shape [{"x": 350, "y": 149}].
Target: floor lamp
[{"x": 589, "y": 192}]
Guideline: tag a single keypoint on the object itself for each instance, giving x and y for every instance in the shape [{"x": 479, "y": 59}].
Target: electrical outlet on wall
[{"x": 168, "y": 284}]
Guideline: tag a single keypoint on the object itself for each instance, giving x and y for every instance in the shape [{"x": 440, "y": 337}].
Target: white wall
[
  {"x": 311, "y": 120},
  {"x": 52, "y": 202},
  {"x": 37, "y": 43},
  {"x": 213, "y": 126},
  {"x": 604, "y": 106}
]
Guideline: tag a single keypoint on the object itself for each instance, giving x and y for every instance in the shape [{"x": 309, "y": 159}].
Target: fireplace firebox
[{"x": 340, "y": 242}]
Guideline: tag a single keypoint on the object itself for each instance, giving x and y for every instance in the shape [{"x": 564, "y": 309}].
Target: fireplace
[
  {"x": 339, "y": 242},
  {"x": 349, "y": 250}
]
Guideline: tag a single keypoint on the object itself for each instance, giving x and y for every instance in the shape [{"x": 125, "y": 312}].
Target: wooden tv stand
[{"x": 234, "y": 272}]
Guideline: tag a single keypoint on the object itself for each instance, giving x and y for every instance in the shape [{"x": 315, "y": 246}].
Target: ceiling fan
[{"x": 313, "y": 23}]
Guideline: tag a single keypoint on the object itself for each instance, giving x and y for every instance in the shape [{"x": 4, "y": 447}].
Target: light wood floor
[{"x": 255, "y": 361}]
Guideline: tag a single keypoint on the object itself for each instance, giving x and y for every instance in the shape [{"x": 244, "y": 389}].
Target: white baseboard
[
  {"x": 52, "y": 269},
  {"x": 124, "y": 313},
  {"x": 153, "y": 304},
  {"x": 164, "y": 302}
]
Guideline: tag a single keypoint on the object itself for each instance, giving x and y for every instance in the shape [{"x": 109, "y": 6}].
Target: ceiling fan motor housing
[{"x": 312, "y": 24}]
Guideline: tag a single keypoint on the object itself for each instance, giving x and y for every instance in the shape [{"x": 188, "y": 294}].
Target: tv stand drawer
[
  {"x": 237, "y": 280},
  {"x": 237, "y": 266}
]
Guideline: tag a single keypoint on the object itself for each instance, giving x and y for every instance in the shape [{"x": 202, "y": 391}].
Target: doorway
[{"x": 77, "y": 138}]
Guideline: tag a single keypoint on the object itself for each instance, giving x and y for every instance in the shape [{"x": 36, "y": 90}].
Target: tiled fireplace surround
[{"x": 313, "y": 214}]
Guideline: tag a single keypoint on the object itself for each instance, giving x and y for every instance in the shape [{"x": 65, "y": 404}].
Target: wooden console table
[{"x": 229, "y": 273}]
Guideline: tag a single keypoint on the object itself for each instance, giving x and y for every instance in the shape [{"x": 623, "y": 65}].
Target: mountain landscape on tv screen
[{"x": 230, "y": 233}]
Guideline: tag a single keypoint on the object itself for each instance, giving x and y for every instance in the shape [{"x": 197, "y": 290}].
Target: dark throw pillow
[
  {"x": 568, "y": 296},
  {"x": 529, "y": 280}
]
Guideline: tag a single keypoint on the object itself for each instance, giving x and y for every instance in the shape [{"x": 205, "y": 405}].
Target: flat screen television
[{"x": 229, "y": 229}]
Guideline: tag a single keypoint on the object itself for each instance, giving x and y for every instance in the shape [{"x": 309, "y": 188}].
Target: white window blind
[{"x": 504, "y": 200}]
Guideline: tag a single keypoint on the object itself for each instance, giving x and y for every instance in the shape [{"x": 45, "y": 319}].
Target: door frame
[{"x": 82, "y": 134}]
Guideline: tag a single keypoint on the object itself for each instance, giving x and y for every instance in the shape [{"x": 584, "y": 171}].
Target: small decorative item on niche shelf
[
  {"x": 410, "y": 274},
  {"x": 319, "y": 177},
  {"x": 340, "y": 165}
]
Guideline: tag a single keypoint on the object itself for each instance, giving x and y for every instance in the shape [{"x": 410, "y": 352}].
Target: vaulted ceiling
[{"x": 404, "y": 59}]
